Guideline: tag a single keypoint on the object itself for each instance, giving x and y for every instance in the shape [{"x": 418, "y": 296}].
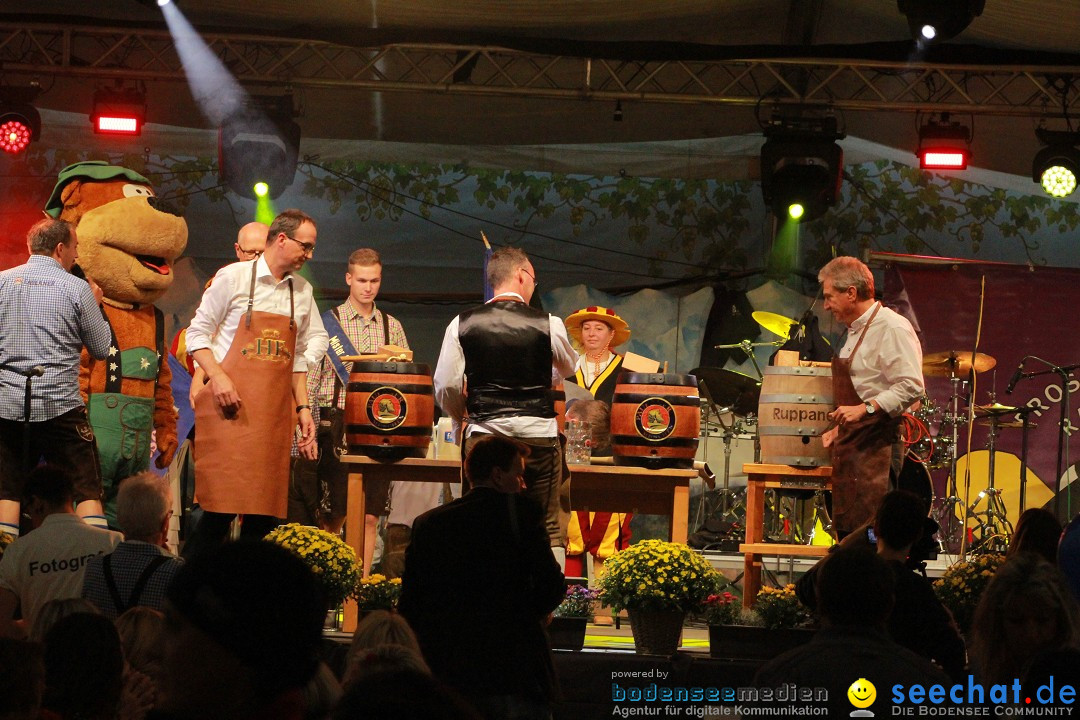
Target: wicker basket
[{"x": 656, "y": 632}]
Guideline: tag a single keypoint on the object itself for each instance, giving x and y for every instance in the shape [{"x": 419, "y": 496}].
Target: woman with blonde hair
[{"x": 378, "y": 629}]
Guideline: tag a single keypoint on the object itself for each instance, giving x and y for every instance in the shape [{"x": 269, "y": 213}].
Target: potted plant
[
  {"x": 332, "y": 561},
  {"x": 568, "y": 621},
  {"x": 377, "y": 592},
  {"x": 657, "y": 582},
  {"x": 960, "y": 587},
  {"x": 774, "y": 625}
]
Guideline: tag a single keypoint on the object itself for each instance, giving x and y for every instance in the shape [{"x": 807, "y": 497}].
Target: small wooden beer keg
[
  {"x": 389, "y": 409},
  {"x": 792, "y": 413},
  {"x": 655, "y": 419}
]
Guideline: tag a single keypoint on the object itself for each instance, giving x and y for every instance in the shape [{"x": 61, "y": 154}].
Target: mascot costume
[{"x": 128, "y": 241}]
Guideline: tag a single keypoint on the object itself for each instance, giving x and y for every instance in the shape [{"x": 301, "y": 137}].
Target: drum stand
[
  {"x": 949, "y": 520},
  {"x": 993, "y": 523}
]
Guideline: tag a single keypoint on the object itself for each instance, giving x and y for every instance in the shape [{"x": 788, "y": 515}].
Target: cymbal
[
  {"x": 774, "y": 323},
  {"x": 728, "y": 388},
  {"x": 955, "y": 362},
  {"x": 994, "y": 410},
  {"x": 1005, "y": 424}
]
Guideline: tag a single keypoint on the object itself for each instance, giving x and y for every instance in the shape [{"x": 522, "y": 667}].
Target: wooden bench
[{"x": 759, "y": 477}]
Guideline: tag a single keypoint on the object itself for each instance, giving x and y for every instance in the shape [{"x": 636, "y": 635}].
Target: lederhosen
[
  {"x": 862, "y": 452},
  {"x": 242, "y": 460}
]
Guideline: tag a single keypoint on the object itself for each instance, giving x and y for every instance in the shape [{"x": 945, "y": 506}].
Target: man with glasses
[
  {"x": 507, "y": 354},
  {"x": 251, "y": 241},
  {"x": 256, "y": 332}
]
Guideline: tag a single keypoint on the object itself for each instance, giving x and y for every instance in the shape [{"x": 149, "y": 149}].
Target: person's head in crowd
[
  {"x": 22, "y": 679},
  {"x": 402, "y": 695},
  {"x": 143, "y": 508},
  {"x": 498, "y": 463},
  {"x": 48, "y": 490},
  {"x": 380, "y": 627},
  {"x": 84, "y": 668},
  {"x": 388, "y": 657},
  {"x": 142, "y": 635},
  {"x": 1037, "y": 531},
  {"x": 1026, "y": 609},
  {"x": 364, "y": 278},
  {"x": 598, "y": 414},
  {"x": 855, "y": 589},
  {"x": 252, "y": 613},
  {"x": 321, "y": 694},
  {"x": 251, "y": 240},
  {"x": 54, "y": 610},
  {"x": 509, "y": 270},
  {"x": 290, "y": 241},
  {"x": 900, "y": 519},
  {"x": 847, "y": 286}
]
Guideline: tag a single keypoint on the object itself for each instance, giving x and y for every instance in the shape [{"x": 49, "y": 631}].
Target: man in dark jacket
[{"x": 482, "y": 630}]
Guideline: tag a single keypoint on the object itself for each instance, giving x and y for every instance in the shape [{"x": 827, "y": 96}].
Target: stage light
[
  {"x": 20, "y": 123},
  {"x": 259, "y": 144},
  {"x": 1057, "y": 166},
  {"x": 801, "y": 166},
  {"x": 944, "y": 145},
  {"x": 118, "y": 111},
  {"x": 261, "y": 189},
  {"x": 935, "y": 21}
]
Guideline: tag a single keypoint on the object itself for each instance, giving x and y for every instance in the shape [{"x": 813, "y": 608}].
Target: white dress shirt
[
  {"x": 450, "y": 375},
  {"x": 225, "y": 302},
  {"x": 888, "y": 366}
]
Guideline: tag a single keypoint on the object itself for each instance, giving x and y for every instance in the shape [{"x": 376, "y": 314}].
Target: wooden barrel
[
  {"x": 792, "y": 413},
  {"x": 389, "y": 410},
  {"x": 655, "y": 419}
]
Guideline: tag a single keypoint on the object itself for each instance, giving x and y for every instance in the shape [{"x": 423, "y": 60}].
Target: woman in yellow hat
[{"x": 596, "y": 330}]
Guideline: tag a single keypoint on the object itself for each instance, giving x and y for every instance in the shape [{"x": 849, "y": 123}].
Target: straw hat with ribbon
[{"x": 601, "y": 314}]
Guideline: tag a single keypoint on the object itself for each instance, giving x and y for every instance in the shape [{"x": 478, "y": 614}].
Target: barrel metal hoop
[
  {"x": 798, "y": 398},
  {"x": 797, "y": 370},
  {"x": 796, "y": 461},
  {"x": 787, "y": 430}
]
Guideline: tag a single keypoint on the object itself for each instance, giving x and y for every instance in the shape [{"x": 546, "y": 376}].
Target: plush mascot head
[{"x": 128, "y": 239}]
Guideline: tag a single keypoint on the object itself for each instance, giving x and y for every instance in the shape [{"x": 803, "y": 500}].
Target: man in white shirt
[
  {"x": 877, "y": 375},
  {"x": 255, "y": 334},
  {"x": 508, "y": 354},
  {"x": 48, "y": 563}
]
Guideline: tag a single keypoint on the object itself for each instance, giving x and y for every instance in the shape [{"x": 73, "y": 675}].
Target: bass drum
[{"x": 914, "y": 477}]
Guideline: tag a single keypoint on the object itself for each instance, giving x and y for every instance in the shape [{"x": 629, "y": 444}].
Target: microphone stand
[{"x": 1063, "y": 437}]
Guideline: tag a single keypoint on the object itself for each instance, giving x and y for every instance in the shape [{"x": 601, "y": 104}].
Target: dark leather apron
[
  {"x": 242, "y": 460},
  {"x": 862, "y": 452}
]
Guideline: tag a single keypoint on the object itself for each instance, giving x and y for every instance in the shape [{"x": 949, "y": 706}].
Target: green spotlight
[
  {"x": 796, "y": 210},
  {"x": 261, "y": 189},
  {"x": 1058, "y": 181}
]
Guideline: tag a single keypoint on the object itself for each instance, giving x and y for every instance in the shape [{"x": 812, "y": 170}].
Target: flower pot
[
  {"x": 567, "y": 633},
  {"x": 746, "y": 642},
  {"x": 656, "y": 632}
]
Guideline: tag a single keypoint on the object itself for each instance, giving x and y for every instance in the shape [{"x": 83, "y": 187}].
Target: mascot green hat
[{"x": 91, "y": 169}]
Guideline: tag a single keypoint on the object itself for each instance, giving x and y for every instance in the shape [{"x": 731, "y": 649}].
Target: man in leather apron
[
  {"x": 877, "y": 375},
  {"x": 496, "y": 366},
  {"x": 255, "y": 334}
]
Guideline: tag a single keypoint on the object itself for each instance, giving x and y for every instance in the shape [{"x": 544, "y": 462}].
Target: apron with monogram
[
  {"x": 862, "y": 452},
  {"x": 242, "y": 460}
]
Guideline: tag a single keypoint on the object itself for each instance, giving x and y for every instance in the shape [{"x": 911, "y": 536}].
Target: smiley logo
[{"x": 862, "y": 693}]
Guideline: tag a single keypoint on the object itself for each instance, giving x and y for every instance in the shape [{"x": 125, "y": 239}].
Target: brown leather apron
[
  {"x": 242, "y": 460},
  {"x": 862, "y": 452}
]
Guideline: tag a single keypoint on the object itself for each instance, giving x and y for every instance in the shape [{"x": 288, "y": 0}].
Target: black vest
[{"x": 507, "y": 348}]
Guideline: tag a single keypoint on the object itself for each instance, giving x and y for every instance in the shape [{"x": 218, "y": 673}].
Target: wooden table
[
  {"x": 779, "y": 477},
  {"x": 593, "y": 487}
]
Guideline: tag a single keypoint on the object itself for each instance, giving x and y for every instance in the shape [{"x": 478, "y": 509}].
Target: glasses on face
[
  {"x": 308, "y": 248},
  {"x": 535, "y": 284},
  {"x": 249, "y": 254}
]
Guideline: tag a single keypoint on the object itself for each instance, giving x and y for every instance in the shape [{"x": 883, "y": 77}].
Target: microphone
[
  {"x": 36, "y": 371},
  {"x": 1016, "y": 376}
]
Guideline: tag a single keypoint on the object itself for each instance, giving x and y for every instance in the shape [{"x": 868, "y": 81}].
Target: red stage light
[
  {"x": 942, "y": 158},
  {"x": 118, "y": 124},
  {"x": 14, "y": 136}
]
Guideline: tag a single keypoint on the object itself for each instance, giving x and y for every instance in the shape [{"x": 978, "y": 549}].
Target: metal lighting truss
[{"x": 847, "y": 84}]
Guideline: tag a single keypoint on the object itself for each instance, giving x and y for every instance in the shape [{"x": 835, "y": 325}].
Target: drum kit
[{"x": 932, "y": 430}]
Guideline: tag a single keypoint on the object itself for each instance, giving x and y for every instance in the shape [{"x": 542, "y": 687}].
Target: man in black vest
[{"x": 497, "y": 364}]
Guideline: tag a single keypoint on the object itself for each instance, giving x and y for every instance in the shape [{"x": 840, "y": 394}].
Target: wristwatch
[
  {"x": 870, "y": 409},
  {"x": 302, "y": 407}
]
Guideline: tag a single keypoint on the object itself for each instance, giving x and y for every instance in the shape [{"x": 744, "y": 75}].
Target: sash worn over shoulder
[{"x": 340, "y": 344}]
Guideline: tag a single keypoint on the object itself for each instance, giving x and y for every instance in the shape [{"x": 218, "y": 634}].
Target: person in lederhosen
[
  {"x": 256, "y": 332},
  {"x": 877, "y": 374},
  {"x": 597, "y": 330}
]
